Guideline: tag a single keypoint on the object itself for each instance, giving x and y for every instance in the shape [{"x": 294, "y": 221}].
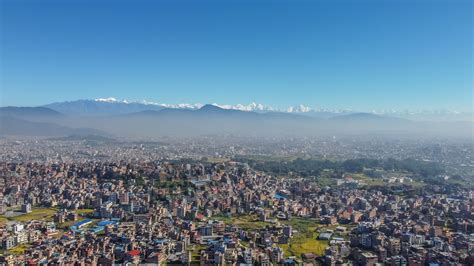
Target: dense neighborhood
[{"x": 224, "y": 212}]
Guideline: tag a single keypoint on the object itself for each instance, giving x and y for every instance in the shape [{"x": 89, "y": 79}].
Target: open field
[
  {"x": 246, "y": 222},
  {"x": 325, "y": 181},
  {"x": 368, "y": 180},
  {"x": 65, "y": 226},
  {"x": 381, "y": 182},
  {"x": 18, "y": 250},
  {"x": 84, "y": 212},
  {"x": 305, "y": 239},
  {"x": 302, "y": 245},
  {"x": 196, "y": 251},
  {"x": 36, "y": 214},
  {"x": 268, "y": 158},
  {"x": 217, "y": 160}
]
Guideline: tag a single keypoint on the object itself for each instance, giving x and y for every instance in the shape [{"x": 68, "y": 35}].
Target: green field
[
  {"x": 369, "y": 181},
  {"x": 305, "y": 239},
  {"x": 301, "y": 245},
  {"x": 36, "y": 214},
  {"x": 325, "y": 181},
  {"x": 380, "y": 182},
  {"x": 246, "y": 222},
  {"x": 217, "y": 160},
  {"x": 84, "y": 212},
  {"x": 18, "y": 250},
  {"x": 65, "y": 226},
  {"x": 196, "y": 251},
  {"x": 269, "y": 158}
]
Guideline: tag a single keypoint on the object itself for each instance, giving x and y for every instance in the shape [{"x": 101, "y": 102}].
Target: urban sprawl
[{"x": 93, "y": 201}]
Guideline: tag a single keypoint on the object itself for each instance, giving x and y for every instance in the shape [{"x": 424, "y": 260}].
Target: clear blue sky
[{"x": 340, "y": 54}]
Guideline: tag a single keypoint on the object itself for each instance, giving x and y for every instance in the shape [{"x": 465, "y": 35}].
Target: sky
[{"x": 361, "y": 55}]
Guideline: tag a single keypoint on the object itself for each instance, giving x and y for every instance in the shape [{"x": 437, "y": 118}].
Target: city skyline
[{"x": 337, "y": 55}]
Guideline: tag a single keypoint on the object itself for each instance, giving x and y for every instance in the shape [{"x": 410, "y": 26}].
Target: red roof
[{"x": 134, "y": 253}]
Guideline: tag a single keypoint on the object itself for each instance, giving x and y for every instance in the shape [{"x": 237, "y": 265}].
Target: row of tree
[{"x": 313, "y": 167}]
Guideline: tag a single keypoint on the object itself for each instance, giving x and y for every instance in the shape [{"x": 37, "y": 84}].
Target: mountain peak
[
  {"x": 108, "y": 100},
  {"x": 210, "y": 107}
]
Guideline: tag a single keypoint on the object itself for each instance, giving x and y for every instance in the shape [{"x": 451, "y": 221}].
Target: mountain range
[
  {"x": 109, "y": 117},
  {"x": 108, "y": 106}
]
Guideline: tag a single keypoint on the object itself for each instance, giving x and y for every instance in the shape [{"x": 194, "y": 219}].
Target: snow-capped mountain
[
  {"x": 112, "y": 116},
  {"x": 114, "y": 106}
]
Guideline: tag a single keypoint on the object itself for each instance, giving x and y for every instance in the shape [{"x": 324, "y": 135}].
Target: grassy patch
[
  {"x": 45, "y": 214},
  {"x": 299, "y": 246},
  {"x": 326, "y": 181},
  {"x": 305, "y": 239},
  {"x": 302, "y": 225},
  {"x": 196, "y": 252},
  {"x": 217, "y": 160},
  {"x": 65, "y": 226},
  {"x": 381, "y": 182},
  {"x": 84, "y": 212},
  {"x": 246, "y": 222},
  {"x": 368, "y": 180},
  {"x": 18, "y": 250},
  {"x": 269, "y": 158}
]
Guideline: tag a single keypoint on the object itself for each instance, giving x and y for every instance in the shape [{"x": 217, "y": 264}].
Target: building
[{"x": 26, "y": 208}]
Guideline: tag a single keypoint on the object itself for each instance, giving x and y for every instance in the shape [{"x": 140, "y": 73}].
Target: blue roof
[
  {"x": 97, "y": 229},
  {"x": 106, "y": 222},
  {"x": 83, "y": 222},
  {"x": 161, "y": 241},
  {"x": 280, "y": 196}
]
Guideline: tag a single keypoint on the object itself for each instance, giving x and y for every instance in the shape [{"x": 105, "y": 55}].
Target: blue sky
[{"x": 359, "y": 55}]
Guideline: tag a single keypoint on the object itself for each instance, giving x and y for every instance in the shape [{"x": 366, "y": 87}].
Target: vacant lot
[
  {"x": 305, "y": 239},
  {"x": 37, "y": 214},
  {"x": 84, "y": 212},
  {"x": 246, "y": 222},
  {"x": 18, "y": 250}
]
